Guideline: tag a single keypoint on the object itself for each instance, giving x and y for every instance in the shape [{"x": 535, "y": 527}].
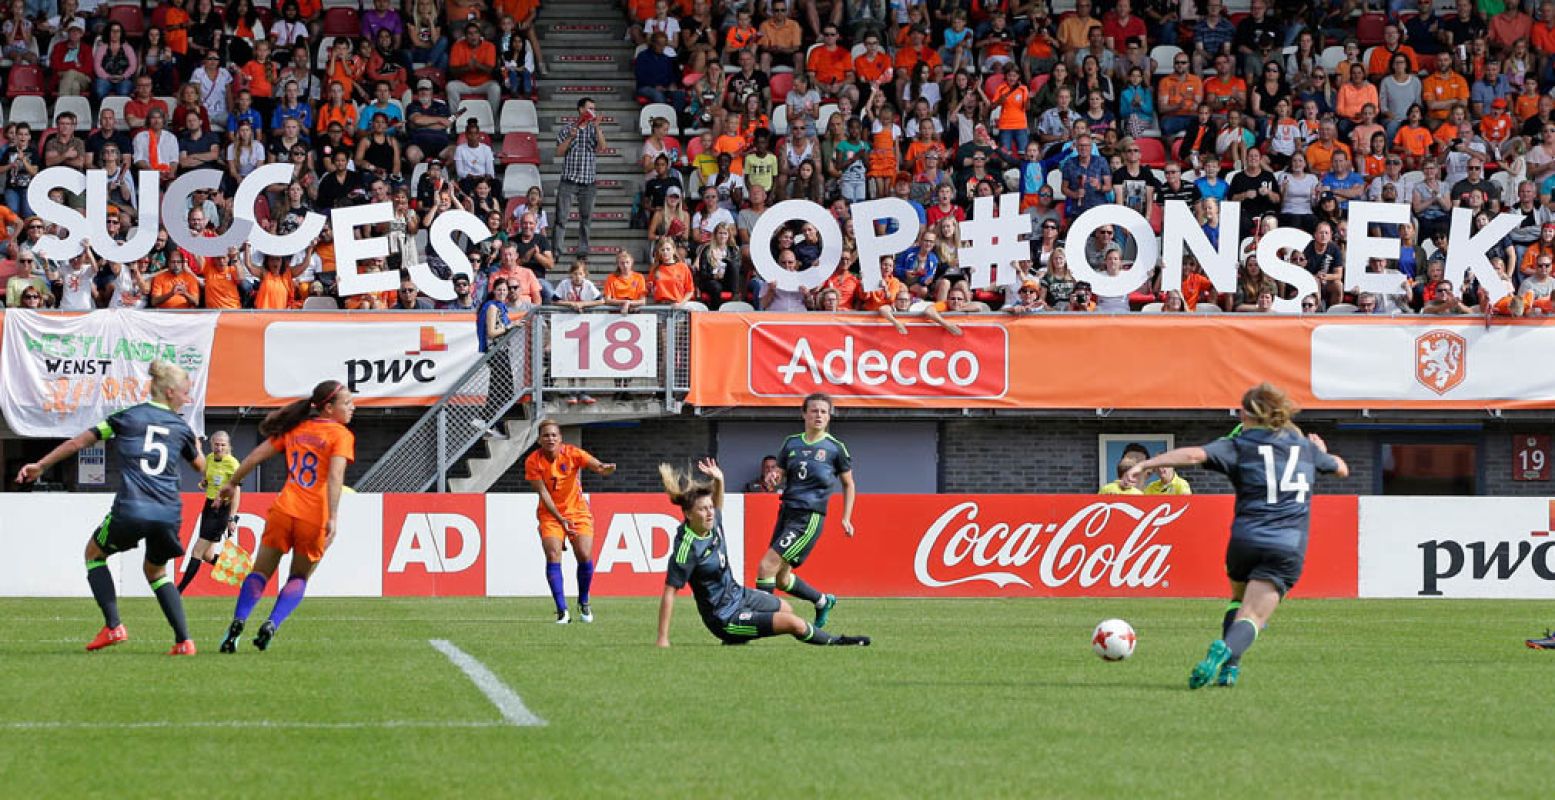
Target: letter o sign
[{"x": 761, "y": 245}]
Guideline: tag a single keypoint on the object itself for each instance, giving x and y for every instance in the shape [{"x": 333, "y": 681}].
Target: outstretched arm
[
  {"x": 710, "y": 468},
  {"x": 666, "y": 611},
  {"x": 1181, "y": 457},
  {"x": 31, "y": 472},
  {"x": 260, "y": 454}
]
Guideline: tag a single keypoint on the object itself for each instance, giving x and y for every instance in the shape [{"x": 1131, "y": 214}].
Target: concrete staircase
[{"x": 588, "y": 54}]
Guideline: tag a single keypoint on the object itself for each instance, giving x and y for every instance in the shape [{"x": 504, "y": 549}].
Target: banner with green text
[{"x": 64, "y": 373}]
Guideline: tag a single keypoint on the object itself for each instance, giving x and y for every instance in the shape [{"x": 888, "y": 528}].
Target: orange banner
[{"x": 1185, "y": 361}]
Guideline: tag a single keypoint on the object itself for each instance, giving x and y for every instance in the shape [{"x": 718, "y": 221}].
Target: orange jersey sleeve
[
  {"x": 309, "y": 447},
  {"x": 563, "y": 477}
]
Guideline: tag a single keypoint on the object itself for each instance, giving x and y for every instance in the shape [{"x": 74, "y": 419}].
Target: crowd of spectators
[
  {"x": 388, "y": 102},
  {"x": 1293, "y": 110}
]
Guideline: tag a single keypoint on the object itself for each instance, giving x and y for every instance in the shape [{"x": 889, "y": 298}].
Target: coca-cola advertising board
[{"x": 1048, "y": 546}]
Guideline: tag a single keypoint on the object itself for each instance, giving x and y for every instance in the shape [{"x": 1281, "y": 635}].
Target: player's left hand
[
  {"x": 226, "y": 493},
  {"x": 29, "y": 473},
  {"x": 847, "y": 527},
  {"x": 607, "y": 469}
]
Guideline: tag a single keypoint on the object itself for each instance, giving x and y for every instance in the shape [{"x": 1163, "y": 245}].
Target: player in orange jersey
[
  {"x": 312, "y": 433},
  {"x": 555, "y": 470}
]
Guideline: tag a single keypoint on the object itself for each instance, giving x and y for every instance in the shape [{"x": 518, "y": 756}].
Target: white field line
[
  {"x": 507, "y": 701},
  {"x": 245, "y": 723}
]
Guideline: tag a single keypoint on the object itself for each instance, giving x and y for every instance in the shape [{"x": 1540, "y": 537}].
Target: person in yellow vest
[
  {"x": 217, "y": 519},
  {"x": 1167, "y": 481},
  {"x": 1120, "y": 486}
]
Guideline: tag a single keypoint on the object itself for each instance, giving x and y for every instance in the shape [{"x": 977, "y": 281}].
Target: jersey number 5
[
  {"x": 151, "y": 445},
  {"x": 1291, "y": 481}
]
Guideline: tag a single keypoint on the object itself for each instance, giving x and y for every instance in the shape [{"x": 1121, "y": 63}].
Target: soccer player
[
  {"x": 312, "y": 433},
  {"x": 1273, "y": 468},
  {"x": 147, "y": 439},
  {"x": 217, "y": 519},
  {"x": 813, "y": 462},
  {"x": 554, "y": 469},
  {"x": 699, "y": 557}
]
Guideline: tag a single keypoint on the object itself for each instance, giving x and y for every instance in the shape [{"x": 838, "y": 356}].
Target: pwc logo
[
  {"x": 377, "y": 359},
  {"x": 794, "y": 359},
  {"x": 434, "y": 545}
]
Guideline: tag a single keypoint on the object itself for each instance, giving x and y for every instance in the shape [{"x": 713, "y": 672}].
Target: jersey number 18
[{"x": 1291, "y": 481}]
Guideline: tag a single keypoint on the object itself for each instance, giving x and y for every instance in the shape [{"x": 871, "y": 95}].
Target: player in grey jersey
[
  {"x": 148, "y": 441},
  {"x": 814, "y": 463},
  {"x": 698, "y": 557},
  {"x": 1273, "y": 468}
]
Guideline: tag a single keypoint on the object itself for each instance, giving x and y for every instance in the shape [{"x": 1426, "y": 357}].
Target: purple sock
[
  {"x": 553, "y": 576},
  {"x": 287, "y": 601},
  {"x": 585, "y": 577},
  {"x": 248, "y": 596}
]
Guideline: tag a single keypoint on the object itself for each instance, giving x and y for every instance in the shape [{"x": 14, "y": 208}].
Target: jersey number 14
[{"x": 1291, "y": 481}]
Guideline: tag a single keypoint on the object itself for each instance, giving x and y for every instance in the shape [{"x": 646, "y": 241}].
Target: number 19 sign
[{"x": 604, "y": 346}]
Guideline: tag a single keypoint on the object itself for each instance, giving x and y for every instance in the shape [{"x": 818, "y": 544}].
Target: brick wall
[{"x": 1000, "y": 456}]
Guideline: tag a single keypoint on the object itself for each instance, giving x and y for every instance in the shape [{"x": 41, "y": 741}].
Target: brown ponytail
[
  {"x": 683, "y": 490},
  {"x": 283, "y": 419},
  {"x": 1269, "y": 407}
]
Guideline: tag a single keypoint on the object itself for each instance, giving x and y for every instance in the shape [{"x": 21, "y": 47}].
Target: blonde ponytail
[
  {"x": 682, "y": 489},
  {"x": 1269, "y": 407}
]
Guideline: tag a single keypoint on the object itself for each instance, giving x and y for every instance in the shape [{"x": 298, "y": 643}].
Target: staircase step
[
  {"x": 582, "y": 66},
  {"x": 583, "y": 12},
  {"x": 590, "y": 31},
  {"x": 612, "y": 88}
]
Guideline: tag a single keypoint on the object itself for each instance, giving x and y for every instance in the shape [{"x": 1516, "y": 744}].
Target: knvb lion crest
[{"x": 1439, "y": 361}]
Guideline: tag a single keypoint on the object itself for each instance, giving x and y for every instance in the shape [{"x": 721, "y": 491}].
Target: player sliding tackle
[
  {"x": 1273, "y": 467},
  {"x": 698, "y": 556}
]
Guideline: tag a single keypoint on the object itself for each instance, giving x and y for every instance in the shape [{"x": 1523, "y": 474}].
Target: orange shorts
[
  {"x": 286, "y": 533},
  {"x": 551, "y": 528}
]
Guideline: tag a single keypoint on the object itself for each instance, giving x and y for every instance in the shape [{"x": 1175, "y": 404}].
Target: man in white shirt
[{"x": 156, "y": 147}]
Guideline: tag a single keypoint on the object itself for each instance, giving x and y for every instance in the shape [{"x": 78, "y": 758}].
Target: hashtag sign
[{"x": 991, "y": 245}]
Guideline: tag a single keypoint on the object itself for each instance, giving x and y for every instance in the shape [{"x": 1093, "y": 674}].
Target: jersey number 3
[
  {"x": 150, "y": 446},
  {"x": 1291, "y": 481}
]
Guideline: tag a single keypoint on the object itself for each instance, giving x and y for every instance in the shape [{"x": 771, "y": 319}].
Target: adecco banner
[
  {"x": 1048, "y": 546},
  {"x": 1500, "y": 547},
  {"x": 421, "y": 545},
  {"x": 266, "y": 359},
  {"x": 1074, "y": 360}
]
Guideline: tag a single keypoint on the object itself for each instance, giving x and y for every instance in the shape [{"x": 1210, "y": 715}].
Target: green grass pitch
[{"x": 970, "y": 698}]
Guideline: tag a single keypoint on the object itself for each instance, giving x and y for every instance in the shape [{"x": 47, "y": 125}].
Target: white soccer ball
[{"x": 1113, "y": 640}]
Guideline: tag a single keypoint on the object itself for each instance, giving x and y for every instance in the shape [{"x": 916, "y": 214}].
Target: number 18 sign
[{"x": 604, "y": 346}]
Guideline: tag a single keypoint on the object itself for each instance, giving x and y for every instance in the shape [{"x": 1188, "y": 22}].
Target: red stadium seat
[
  {"x": 780, "y": 84},
  {"x": 1151, "y": 152},
  {"x": 992, "y": 83},
  {"x": 342, "y": 22},
  {"x": 694, "y": 147},
  {"x": 25, "y": 79},
  {"x": 1368, "y": 31},
  {"x": 131, "y": 17},
  {"x": 1040, "y": 81},
  {"x": 520, "y": 148}
]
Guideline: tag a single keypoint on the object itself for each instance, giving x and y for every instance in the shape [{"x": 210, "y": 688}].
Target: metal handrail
[{"x": 458, "y": 420}]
